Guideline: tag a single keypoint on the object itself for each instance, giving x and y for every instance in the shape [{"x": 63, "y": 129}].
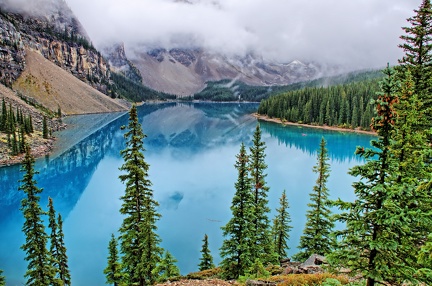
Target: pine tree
[
  {"x": 369, "y": 243},
  {"x": 316, "y": 238},
  {"x": 31, "y": 124},
  {"x": 39, "y": 270},
  {"x": 166, "y": 268},
  {"x": 113, "y": 271},
  {"x": 57, "y": 247},
  {"x": 139, "y": 240},
  {"x": 52, "y": 224},
  {"x": 418, "y": 51},
  {"x": 4, "y": 115},
  {"x": 2, "y": 279},
  {"x": 45, "y": 132},
  {"x": 206, "y": 260},
  {"x": 262, "y": 243},
  {"x": 282, "y": 227},
  {"x": 15, "y": 144},
  {"x": 236, "y": 248},
  {"x": 59, "y": 114},
  {"x": 411, "y": 193},
  {"x": 21, "y": 147},
  {"x": 62, "y": 259}
]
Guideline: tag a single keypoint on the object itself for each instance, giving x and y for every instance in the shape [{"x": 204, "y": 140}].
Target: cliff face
[
  {"x": 55, "y": 34},
  {"x": 12, "y": 52},
  {"x": 119, "y": 62}
]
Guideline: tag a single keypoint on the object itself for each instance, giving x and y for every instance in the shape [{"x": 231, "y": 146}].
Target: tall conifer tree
[
  {"x": 62, "y": 259},
  {"x": 139, "y": 240},
  {"x": 316, "y": 238},
  {"x": 206, "y": 260},
  {"x": 282, "y": 227},
  {"x": 4, "y": 115},
  {"x": 113, "y": 271},
  {"x": 236, "y": 250},
  {"x": 57, "y": 247},
  {"x": 45, "y": 132},
  {"x": 370, "y": 242},
  {"x": 262, "y": 243},
  {"x": 418, "y": 51},
  {"x": 2, "y": 278},
  {"x": 39, "y": 269}
]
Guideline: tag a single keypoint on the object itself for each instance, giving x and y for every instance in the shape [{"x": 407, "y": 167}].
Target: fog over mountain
[{"x": 354, "y": 33}]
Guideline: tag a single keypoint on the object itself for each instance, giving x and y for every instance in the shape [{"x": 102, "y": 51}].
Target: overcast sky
[{"x": 359, "y": 33}]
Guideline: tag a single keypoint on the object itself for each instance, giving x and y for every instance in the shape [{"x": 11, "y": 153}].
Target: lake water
[{"x": 191, "y": 150}]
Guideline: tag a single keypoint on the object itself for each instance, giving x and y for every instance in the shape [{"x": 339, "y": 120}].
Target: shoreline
[
  {"x": 39, "y": 148},
  {"x": 324, "y": 127}
]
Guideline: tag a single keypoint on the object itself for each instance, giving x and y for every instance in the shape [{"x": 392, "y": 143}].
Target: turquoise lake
[{"x": 191, "y": 149}]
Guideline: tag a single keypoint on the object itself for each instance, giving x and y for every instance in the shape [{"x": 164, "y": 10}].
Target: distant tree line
[
  {"x": 344, "y": 105},
  {"x": 227, "y": 90},
  {"x": 135, "y": 91}
]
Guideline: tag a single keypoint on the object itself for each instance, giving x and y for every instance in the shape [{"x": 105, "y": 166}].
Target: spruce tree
[
  {"x": 138, "y": 237},
  {"x": 52, "y": 224},
  {"x": 15, "y": 144},
  {"x": 2, "y": 278},
  {"x": 262, "y": 243},
  {"x": 62, "y": 259},
  {"x": 418, "y": 51},
  {"x": 59, "y": 114},
  {"x": 31, "y": 124},
  {"x": 4, "y": 115},
  {"x": 167, "y": 268},
  {"x": 21, "y": 147},
  {"x": 236, "y": 250},
  {"x": 369, "y": 244},
  {"x": 39, "y": 270},
  {"x": 316, "y": 238},
  {"x": 411, "y": 193},
  {"x": 45, "y": 131},
  {"x": 113, "y": 271},
  {"x": 282, "y": 227},
  {"x": 57, "y": 247},
  {"x": 206, "y": 260}
]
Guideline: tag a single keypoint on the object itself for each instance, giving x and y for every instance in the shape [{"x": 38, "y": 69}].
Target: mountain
[
  {"x": 185, "y": 71},
  {"x": 47, "y": 57},
  {"x": 50, "y": 29}
]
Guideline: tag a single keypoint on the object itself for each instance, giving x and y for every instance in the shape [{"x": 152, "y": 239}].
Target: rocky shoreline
[
  {"x": 39, "y": 148},
  {"x": 325, "y": 127}
]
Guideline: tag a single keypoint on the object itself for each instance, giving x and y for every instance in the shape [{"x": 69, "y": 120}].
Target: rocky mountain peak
[{"x": 185, "y": 71}]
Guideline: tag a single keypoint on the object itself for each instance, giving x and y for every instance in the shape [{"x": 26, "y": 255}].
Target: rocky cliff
[
  {"x": 119, "y": 62},
  {"x": 57, "y": 35}
]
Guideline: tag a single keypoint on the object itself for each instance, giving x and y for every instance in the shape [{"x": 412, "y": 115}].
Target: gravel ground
[{"x": 208, "y": 282}]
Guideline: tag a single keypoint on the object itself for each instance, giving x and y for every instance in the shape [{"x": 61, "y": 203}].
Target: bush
[
  {"x": 201, "y": 275},
  {"x": 308, "y": 279}
]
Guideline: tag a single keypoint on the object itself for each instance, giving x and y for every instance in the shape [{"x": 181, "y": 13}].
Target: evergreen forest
[{"x": 346, "y": 105}]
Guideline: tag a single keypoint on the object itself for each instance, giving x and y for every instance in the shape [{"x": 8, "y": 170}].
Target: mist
[{"x": 355, "y": 33}]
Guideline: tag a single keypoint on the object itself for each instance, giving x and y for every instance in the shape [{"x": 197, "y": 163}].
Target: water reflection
[
  {"x": 191, "y": 150},
  {"x": 307, "y": 140}
]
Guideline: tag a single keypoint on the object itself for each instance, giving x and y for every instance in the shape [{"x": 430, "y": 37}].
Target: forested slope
[
  {"x": 345, "y": 105},
  {"x": 227, "y": 90}
]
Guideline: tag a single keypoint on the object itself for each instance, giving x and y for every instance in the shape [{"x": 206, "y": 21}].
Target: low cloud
[{"x": 355, "y": 33}]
